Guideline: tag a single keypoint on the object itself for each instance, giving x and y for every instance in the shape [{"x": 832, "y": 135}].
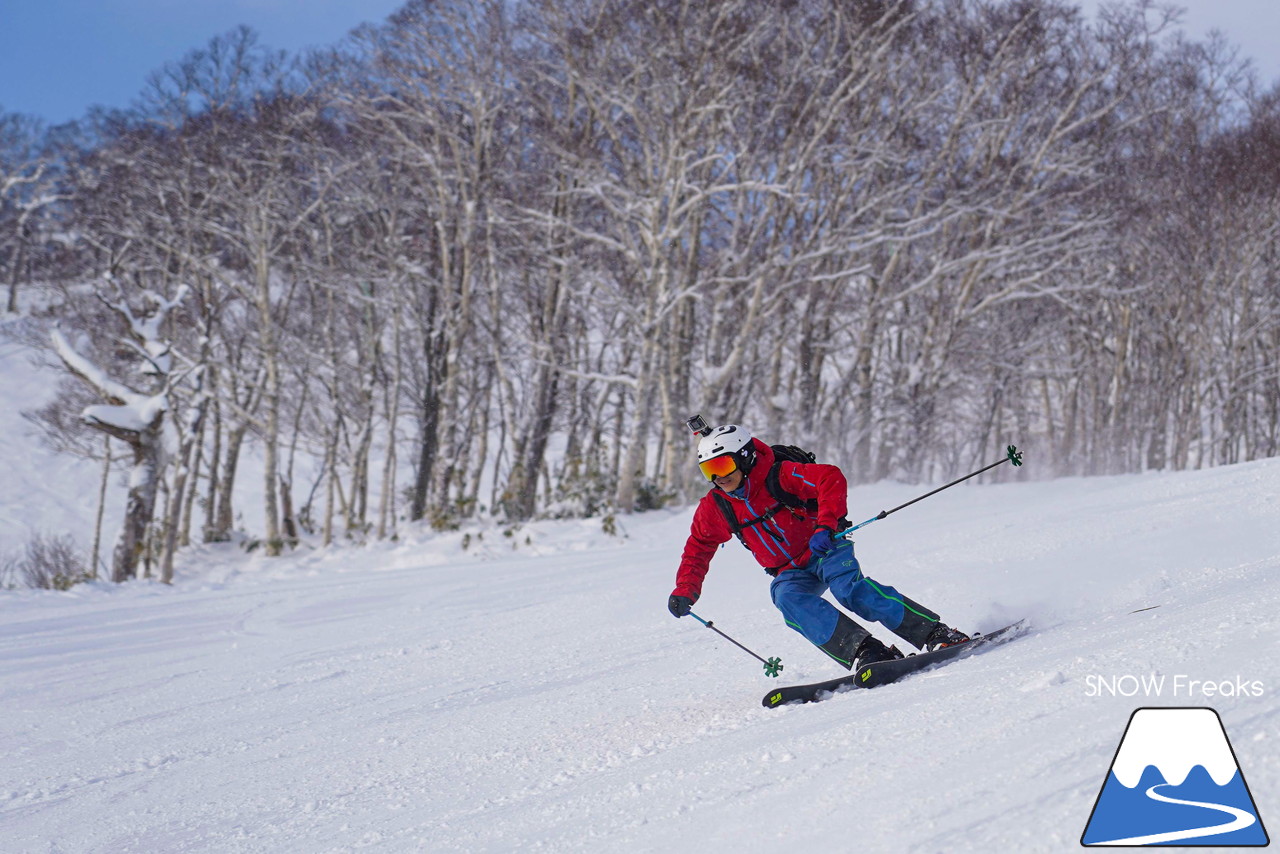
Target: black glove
[{"x": 680, "y": 605}]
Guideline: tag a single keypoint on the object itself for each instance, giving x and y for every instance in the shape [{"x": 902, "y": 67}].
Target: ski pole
[
  {"x": 772, "y": 667},
  {"x": 1011, "y": 455}
]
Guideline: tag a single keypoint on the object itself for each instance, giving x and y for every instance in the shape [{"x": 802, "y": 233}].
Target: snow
[
  {"x": 474, "y": 691},
  {"x": 40, "y": 492},
  {"x": 91, "y": 372},
  {"x": 133, "y": 419}
]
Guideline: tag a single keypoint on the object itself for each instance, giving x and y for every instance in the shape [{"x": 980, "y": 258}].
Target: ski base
[{"x": 883, "y": 672}]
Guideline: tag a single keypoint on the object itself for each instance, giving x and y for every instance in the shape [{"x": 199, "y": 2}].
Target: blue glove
[{"x": 822, "y": 541}]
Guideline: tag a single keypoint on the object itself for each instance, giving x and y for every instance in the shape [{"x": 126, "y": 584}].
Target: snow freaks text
[{"x": 1176, "y": 686}]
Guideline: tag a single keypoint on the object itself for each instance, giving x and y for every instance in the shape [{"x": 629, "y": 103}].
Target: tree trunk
[
  {"x": 522, "y": 490},
  {"x": 139, "y": 505},
  {"x": 634, "y": 456},
  {"x": 18, "y": 261},
  {"x": 95, "y": 556},
  {"x": 428, "y": 448},
  {"x": 271, "y": 398},
  {"x": 224, "y": 518}
]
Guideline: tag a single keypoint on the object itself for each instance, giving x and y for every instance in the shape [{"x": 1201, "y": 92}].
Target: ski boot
[
  {"x": 943, "y": 636},
  {"x": 872, "y": 650}
]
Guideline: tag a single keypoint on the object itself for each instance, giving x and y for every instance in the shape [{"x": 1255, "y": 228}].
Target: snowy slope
[
  {"x": 41, "y": 492},
  {"x": 532, "y": 693},
  {"x": 419, "y": 697}
]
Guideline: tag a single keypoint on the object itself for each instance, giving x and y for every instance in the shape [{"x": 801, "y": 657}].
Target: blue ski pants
[{"x": 797, "y": 593}]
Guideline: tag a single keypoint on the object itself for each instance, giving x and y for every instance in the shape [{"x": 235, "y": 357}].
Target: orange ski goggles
[{"x": 721, "y": 466}]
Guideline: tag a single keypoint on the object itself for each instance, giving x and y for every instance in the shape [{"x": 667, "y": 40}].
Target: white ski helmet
[{"x": 726, "y": 440}]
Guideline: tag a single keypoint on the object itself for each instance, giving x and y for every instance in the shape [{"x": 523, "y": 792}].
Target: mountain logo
[{"x": 1175, "y": 781}]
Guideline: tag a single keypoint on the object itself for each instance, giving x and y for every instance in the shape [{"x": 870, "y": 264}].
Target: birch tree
[
  {"x": 436, "y": 93},
  {"x": 135, "y": 416}
]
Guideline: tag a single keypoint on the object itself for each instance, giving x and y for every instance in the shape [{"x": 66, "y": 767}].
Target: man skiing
[{"x": 787, "y": 513}]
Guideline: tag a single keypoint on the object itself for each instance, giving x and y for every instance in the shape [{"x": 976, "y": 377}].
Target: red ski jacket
[{"x": 779, "y": 543}]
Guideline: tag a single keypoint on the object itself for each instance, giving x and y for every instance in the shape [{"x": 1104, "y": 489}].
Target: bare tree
[
  {"x": 29, "y": 188},
  {"x": 528, "y": 239},
  {"x": 133, "y": 416}
]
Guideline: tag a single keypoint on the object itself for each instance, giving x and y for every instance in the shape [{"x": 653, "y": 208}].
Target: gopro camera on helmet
[{"x": 698, "y": 426}]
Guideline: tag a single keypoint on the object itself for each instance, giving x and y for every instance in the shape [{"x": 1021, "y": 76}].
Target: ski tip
[{"x": 1015, "y": 626}]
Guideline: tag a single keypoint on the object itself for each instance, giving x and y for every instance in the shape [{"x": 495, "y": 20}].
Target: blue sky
[
  {"x": 59, "y": 57},
  {"x": 1252, "y": 25}
]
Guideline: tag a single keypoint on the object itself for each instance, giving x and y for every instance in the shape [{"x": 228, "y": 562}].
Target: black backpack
[{"x": 781, "y": 454}]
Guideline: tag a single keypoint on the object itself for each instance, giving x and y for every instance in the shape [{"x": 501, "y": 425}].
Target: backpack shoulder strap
[
  {"x": 782, "y": 496},
  {"x": 729, "y": 515},
  {"x": 727, "y": 510},
  {"x": 774, "y": 484}
]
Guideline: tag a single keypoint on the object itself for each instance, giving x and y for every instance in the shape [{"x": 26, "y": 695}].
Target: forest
[{"x": 485, "y": 258}]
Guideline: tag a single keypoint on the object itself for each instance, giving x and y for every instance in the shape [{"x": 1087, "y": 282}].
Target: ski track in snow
[{"x": 535, "y": 695}]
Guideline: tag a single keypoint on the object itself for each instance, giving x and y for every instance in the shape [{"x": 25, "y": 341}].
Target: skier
[{"x": 798, "y": 547}]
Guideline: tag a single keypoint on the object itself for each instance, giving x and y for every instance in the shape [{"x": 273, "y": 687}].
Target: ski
[{"x": 883, "y": 672}]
